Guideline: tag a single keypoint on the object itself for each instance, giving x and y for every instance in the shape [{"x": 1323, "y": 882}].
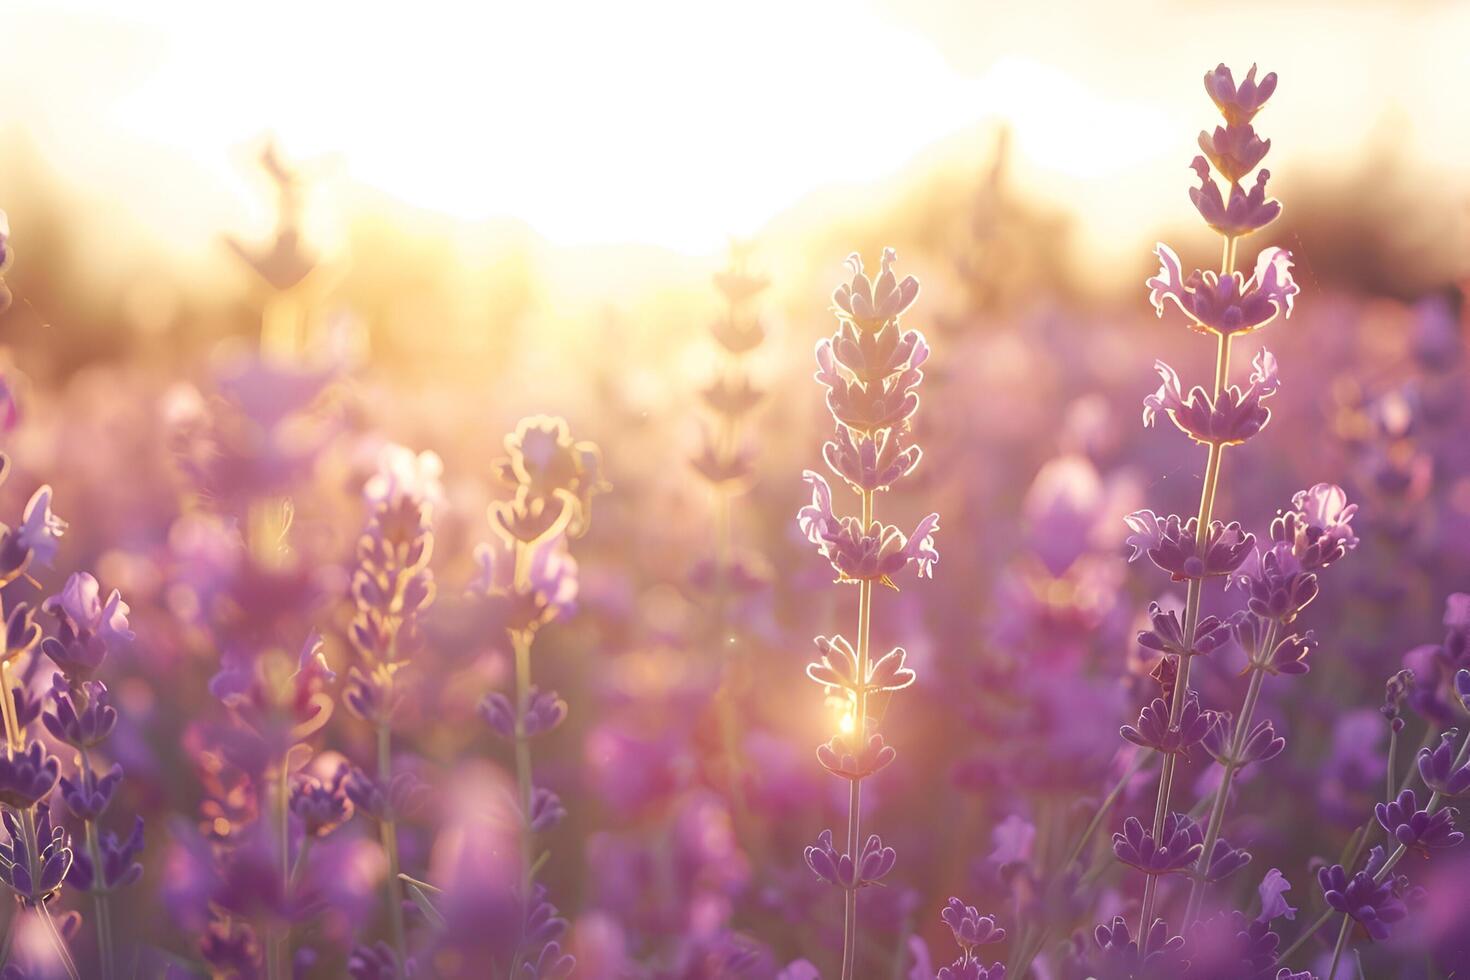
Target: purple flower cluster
[
  {"x": 1279, "y": 579},
  {"x": 41, "y": 856}
]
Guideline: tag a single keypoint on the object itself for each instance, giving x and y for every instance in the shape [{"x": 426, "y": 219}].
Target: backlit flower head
[
  {"x": 870, "y": 462},
  {"x": 87, "y": 629},
  {"x": 1230, "y": 303},
  {"x": 545, "y": 463},
  {"x": 870, "y": 305},
  {"x": 404, "y": 474},
  {"x": 1318, "y": 526},
  {"x": 877, "y": 552},
  {"x": 1239, "y": 104},
  {"x": 1170, "y": 543},
  {"x": 1243, "y": 212},
  {"x": 1230, "y": 420},
  {"x": 40, "y": 530},
  {"x": 1234, "y": 150}
]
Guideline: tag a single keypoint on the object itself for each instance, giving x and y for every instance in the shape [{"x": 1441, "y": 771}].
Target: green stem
[
  {"x": 1231, "y": 766},
  {"x": 859, "y": 735},
  {"x": 1192, "y": 601},
  {"x": 389, "y": 830},
  {"x": 100, "y": 899},
  {"x": 1342, "y": 938}
]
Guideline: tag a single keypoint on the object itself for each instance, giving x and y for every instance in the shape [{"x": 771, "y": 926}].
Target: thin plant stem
[
  {"x": 1192, "y": 601},
  {"x": 1029, "y": 947},
  {"x": 1342, "y": 938},
  {"x": 389, "y": 831},
  {"x": 99, "y": 889},
  {"x": 521, "y": 641},
  {"x": 1393, "y": 748},
  {"x": 727, "y": 704},
  {"x": 859, "y": 733},
  {"x": 1231, "y": 766}
]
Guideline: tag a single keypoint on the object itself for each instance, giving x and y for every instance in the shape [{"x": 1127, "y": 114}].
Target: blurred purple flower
[
  {"x": 1272, "y": 891},
  {"x": 545, "y": 710},
  {"x": 40, "y": 530},
  {"x": 120, "y": 866},
  {"x": 321, "y": 806}
]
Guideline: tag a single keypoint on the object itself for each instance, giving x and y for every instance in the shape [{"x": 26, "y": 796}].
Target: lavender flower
[
  {"x": 530, "y": 579},
  {"x": 1174, "y": 545},
  {"x": 1154, "y": 730},
  {"x": 1439, "y": 769},
  {"x": 321, "y": 806},
  {"x": 1415, "y": 828},
  {"x": 1226, "y": 304},
  {"x": 1280, "y": 582},
  {"x": 872, "y": 306},
  {"x": 544, "y": 711},
  {"x": 27, "y": 776},
  {"x": 34, "y": 864},
  {"x": 40, "y": 530},
  {"x": 87, "y": 630},
  {"x": 1121, "y": 957},
  {"x": 392, "y": 586},
  {"x": 871, "y": 368},
  {"x": 1372, "y": 904},
  {"x": 1229, "y": 418},
  {"x": 969, "y": 927},
  {"x": 873, "y": 862},
  {"x": 1173, "y": 850}
]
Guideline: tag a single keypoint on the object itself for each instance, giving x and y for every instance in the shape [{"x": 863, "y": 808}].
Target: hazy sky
[{"x": 676, "y": 123}]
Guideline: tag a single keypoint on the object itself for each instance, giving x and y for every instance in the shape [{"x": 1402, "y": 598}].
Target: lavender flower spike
[{"x": 871, "y": 369}]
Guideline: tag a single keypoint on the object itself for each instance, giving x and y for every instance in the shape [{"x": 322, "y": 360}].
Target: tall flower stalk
[
  {"x": 726, "y": 462},
  {"x": 871, "y": 370},
  {"x": 1223, "y": 304},
  {"x": 82, "y": 716},
  {"x": 530, "y": 577},
  {"x": 391, "y": 587}
]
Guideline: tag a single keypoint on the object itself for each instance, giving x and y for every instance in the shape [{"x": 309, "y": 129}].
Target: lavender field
[{"x": 868, "y": 492}]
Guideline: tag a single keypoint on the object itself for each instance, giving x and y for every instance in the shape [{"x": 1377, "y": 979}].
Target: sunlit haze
[{"x": 662, "y": 122}]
